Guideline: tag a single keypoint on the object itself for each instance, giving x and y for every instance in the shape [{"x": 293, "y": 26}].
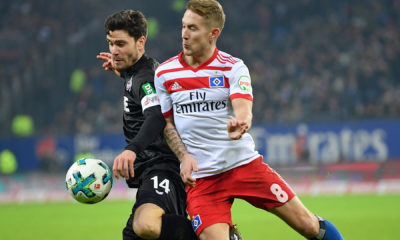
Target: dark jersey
[{"x": 143, "y": 122}]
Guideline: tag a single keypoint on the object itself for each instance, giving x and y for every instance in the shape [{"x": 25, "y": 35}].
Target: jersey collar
[{"x": 185, "y": 65}]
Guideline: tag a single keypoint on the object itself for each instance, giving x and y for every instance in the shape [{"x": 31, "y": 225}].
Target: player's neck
[
  {"x": 140, "y": 55},
  {"x": 197, "y": 60}
]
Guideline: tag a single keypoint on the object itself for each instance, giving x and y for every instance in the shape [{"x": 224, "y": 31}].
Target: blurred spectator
[
  {"x": 46, "y": 153},
  {"x": 23, "y": 126},
  {"x": 77, "y": 81},
  {"x": 301, "y": 149},
  {"x": 8, "y": 162}
]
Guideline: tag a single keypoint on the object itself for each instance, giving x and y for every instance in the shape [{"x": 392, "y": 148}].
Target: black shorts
[{"x": 162, "y": 188}]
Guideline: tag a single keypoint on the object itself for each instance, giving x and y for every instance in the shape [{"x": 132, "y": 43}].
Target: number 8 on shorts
[{"x": 281, "y": 195}]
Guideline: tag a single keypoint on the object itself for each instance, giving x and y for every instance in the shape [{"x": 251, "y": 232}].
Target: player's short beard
[{"x": 129, "y": 61}]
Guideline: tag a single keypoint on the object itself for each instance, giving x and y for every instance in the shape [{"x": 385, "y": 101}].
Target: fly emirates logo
[{"x": 199, "y": 103}]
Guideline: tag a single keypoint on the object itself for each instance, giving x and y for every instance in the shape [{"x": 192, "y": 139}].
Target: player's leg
[
  {"x": 176, "y": 227},
  {"x": 209, "y": 207},
  {"x": 296, "y": 215},
  {"x": 293, "y": 212},
  {"x": 160, "y": 211},
  {"x": 138, "y": 221},
  {"x": 265, "y": 189},
  {"x": 151, "y": 222},
  {"x": 128, "y": 233},
  {"x": 328, "y": 231},
  {"x": 147, "y": 221},
  {"x": 218, "y": 231}
]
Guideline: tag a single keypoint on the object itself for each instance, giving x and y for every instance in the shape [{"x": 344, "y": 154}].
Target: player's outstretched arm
[
  {"x": 107, "y": 64},
  {"x": 174, "y": 141},
  {"x": 242, "y": 123}
]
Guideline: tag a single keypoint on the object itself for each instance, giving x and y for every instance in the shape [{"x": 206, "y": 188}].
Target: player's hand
[
  {"x": 107, "y": 64},
  {"x": 188, "y": 166},
  {"x": 123, "y": 164},
  {"x": 236, "y": 128}
]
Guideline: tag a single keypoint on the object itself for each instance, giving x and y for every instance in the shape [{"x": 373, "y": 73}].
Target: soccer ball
[{"x": 89, "y": 180}]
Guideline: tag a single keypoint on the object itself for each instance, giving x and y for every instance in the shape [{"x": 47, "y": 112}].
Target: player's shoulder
[
  {"x": 150, "y": 64},
  {"x": 145, "y": 69},
  {"x": 172, "y": 62},
  {"x": 145, "y": 75},
  {"x": 227, "y": 59}
]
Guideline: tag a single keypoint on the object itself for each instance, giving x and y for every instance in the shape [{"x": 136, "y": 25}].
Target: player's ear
[
  {"x": 215, "y": 32},
  {"x": 141, "y": 42}
]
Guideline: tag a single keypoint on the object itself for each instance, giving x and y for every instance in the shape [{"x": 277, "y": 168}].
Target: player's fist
[
  {"x": 236, "y": 128},
  {"x": 188, "y": 166},
  {"x": 123, "y": 164}
]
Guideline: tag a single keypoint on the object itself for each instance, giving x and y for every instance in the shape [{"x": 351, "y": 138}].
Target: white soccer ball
[{"x": 89, "y": 180}]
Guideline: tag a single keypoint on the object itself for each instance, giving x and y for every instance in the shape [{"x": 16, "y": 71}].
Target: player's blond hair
[{"x": 211, "y": 10}]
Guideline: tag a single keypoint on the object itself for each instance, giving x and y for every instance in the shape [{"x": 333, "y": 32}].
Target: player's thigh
[
  {"x": 296, "y": 215},
  {"x": 128, "y": 233},
  {"x": 148, "y": 213},
  {"x": 260, "y": 185},
  {"x": 163, "y": 189},
  {"x": 159, "y": 192},
  {"x": 218, "y": 231},
  {"x": 269, "y": 191},
  {"x": 209, "y": 203}
]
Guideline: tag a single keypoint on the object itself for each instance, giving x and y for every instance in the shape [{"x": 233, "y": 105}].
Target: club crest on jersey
[
  {"x": 196, "y": 222},
  {"x": 217, "y": 81},
  {"x": 129, "y": 85}
]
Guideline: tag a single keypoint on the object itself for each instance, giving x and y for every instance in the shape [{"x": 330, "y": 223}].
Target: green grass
[{"x": 358, "y": 217}]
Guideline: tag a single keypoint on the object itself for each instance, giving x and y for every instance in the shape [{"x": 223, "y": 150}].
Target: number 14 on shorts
[{"x": 164, "y": 184}]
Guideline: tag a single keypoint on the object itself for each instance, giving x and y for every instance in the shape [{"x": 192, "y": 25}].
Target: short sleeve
[
  {"x": 240, "y": 82},
  {"x": 164, "y": 96},
  {"x": 148, "y": 96}
]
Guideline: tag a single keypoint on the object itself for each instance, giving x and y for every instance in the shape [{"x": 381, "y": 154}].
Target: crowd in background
[{"x": 309, "y": 60}]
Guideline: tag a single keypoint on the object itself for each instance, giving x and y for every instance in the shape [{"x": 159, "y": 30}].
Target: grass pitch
[{"x": 358, "y": 217}]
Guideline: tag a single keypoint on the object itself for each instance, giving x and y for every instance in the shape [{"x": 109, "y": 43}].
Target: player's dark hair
[{"x": 132, "y": 21}]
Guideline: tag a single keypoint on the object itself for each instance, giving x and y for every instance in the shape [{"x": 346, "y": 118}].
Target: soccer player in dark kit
[{"x": 147, "y": 163}]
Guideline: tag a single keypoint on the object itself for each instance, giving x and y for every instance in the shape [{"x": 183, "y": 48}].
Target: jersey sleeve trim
[
  {"x": 168, "y": 113},
  {"x": 150, "y": 101},
  {"x": 241, "y": 95}
]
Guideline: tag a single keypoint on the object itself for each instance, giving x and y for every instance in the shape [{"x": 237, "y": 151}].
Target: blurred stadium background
[{"x": 326, "y": 82}]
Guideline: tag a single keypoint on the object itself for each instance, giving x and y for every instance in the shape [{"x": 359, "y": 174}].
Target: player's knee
[
  {"x": 146, "y": 229},
  {"x": 308, "y": 227}
]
